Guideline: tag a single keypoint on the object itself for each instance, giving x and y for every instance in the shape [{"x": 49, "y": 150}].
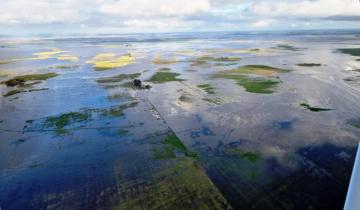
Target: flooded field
[{"x": 219, "y": 121}]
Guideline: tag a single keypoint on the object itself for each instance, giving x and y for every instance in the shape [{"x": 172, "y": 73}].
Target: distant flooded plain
[{"x": 219, "y": 121}]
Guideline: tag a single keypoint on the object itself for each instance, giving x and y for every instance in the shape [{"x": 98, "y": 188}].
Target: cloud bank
[{"x": 177, "y": 15}]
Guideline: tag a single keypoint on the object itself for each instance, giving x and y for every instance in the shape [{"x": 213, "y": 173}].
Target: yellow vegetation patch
[
  {"x": 159, "y": 60},
  {"x": 67, "y": 57},
  {"x": 48, "y": 54},
  {"x": 54, "y": 53},
  {"x": 105, "y": 61}
]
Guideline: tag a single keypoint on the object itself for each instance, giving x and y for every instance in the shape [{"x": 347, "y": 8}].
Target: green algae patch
[
  {"x": 163, "y": 77},
  {"x": 314, "y": 109},
  {"x": 172, "y": 144},
  {"x": 19, "y": 80},
  {"x": 207, "y": 88},
  {"x": 309, "y": 64},
  {"x": 261, "y": 70},
  {"x": 351, "y": 51},
  {"x": 105, "y": 61},
  {"x": 118, "y": 78},
  {"x": 182, "y": 184}
]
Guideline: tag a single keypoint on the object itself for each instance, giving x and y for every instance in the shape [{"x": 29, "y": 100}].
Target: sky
[{"x": 21, "y": 17}]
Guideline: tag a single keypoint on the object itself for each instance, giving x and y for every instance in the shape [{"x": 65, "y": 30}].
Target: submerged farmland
[{"x": 237, "y": 122}]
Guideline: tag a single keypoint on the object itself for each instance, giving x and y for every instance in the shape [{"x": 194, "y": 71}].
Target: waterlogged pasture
[{"x": 245, "y": 121}]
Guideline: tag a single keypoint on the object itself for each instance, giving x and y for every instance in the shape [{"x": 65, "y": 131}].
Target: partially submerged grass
[
  {"x": 309, "y": 64},
  {"x": 181, "y": 184},
  {"x": 219, "y": 59},
  {"x": 225, "y": 64},
  {"x": 19, "y": 80},
  {"x": 107, "y": 61},
  {"x": 59, "y": 122},
  {"x": 162, "y": 77},
  {"x": 118, "y": 78},
  {"x": 314, "y": 109},
  {"x": 287, "y": 47},
  {"x": 354, "y": 122},
  {"x": 253, "y": 84},
  {"x": 351, "y": 51},
  {"x": 261, "y": 70},
  {"x": 184, "y": 98},
  {"x": 171, "y": 144},
  {"x": 262, "y": 82},
  {"x": 13, "y": 92},
  {"x": 164, "y": 69},
  {"x": 163, "y": 61},
  {"x": 207, "y": 88},
  {"x": 213, "y": 100},
  {"x": 250, "y": 156}
]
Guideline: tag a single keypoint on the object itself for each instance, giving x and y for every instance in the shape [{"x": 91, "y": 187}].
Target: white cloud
[
  {"x": 307, "y": 8},
  {"x": 38, "y": 11},
  {"x": 155, "y": 8},
  {"x": 263, "y": 23}
]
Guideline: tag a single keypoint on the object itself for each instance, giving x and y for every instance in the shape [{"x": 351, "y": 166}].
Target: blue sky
[{"x": 21, "y": 17}]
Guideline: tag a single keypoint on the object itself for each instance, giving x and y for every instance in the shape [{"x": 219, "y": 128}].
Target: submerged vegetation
[
  {"x": 16, "y": 91},
  {"x": 219, "y": 59},
  {"x": 314, "y": 109},
  {"x": 262, "y": 80},
  {"x": 106, "y": 61},
  {"x": 351, "y": 51},
  {"x": 287, "y": 47},
  {"x": 163, "y": 61},
  {"x": 250, "y": 156},
  {"x": 172, "y": 144},
  {"x": 261, "y": 70},
  {"x": 354, "y": 122},
  {"x": 207, "y": 88},
  {"x": 163, "y": 77},
  {"x": 309, "y": 64},
  {"x": 20, "y": 80},
  {"x": 118, "y": 78}
]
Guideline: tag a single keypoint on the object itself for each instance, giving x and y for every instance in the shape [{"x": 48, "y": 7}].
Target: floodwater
[{"x": 231, "y": 121}]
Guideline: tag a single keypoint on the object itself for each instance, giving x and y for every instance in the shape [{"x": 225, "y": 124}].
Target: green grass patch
[
  {"x": 314, "y": 109},
  {"x": 309, "y": 64},
  {"x": 118, "y": 78},
  {"x": 19, "y": 80},
  {"x": 207, "y": 88},
  {"x": 351, "y": 51},
  {"x": 163, "y": 77}
]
